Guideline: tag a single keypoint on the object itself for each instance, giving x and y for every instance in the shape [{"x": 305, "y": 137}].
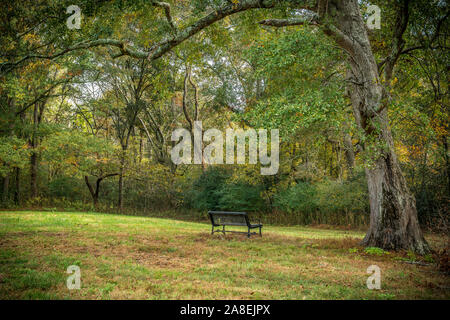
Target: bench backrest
[{"x": 220, "y": 218}]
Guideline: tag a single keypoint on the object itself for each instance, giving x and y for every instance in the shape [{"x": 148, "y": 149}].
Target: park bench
[{"x": 225, "y": 218}]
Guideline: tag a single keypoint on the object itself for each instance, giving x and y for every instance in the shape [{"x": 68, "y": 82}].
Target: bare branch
[
  {"x": 185, "y": 92},
  {"x": 196, "y": 111}
]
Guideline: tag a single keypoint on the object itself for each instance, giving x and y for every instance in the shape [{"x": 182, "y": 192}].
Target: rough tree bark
[{"x": 393, "y": 219}]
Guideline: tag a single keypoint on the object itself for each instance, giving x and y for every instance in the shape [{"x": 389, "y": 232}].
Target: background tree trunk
[
  {"x": 5, "y": 191},
  {"x": 34, "y": 142},
  {"x": 94, "y": 193},
  {"x": 349, "y": 154},
  {"x": 33, "y": 157},
  {"x": 17, "y": 191},
  {"x": 33, "y": 175},
  {"x": 447, "y": 162},
  {"x": 121, "y": 173}
]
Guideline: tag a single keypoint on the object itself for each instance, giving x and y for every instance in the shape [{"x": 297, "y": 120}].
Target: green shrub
[
  {"x": 375, "y": 251},
  {"x": 342, "y": 196},
  {"x": 299, "y": 198},
  {"x": 241, "y": 196},
  {"x": 64, "y": 186},
  {"x": 325, "y": 202},
  {"x": 214, "y": 190},
  {"x": 206, "y": 191}
]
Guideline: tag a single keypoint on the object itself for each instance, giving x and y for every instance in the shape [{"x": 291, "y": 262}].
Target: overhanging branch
[
  {"x": 290, "y": 22},
  {"x": 226, "y": 8},
  {"x": 124, "y": 49}
]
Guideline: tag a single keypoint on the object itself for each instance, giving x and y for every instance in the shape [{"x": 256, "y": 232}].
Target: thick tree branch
[
  {"x": 124, "y": 49},
  {"x": 290, "y": 22},
  {"x": 226, "y": 9},
  {"x": 398, "y": 41}
]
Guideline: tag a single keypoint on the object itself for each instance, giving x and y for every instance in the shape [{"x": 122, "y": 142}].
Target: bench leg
[
  {"x": 212, "y": 230},
  {"x": 260, "y": 234},
  {"x": 248, "y": 234},
  {"x": 223, "y": 230}
]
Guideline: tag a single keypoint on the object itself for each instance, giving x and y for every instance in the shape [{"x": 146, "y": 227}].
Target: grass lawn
[{"x": 127, "y": 257}]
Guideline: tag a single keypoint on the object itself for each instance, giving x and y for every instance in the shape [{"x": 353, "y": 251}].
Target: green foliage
[
  {"x": 241, "y": 196},
  {"x": 299, "y": 91},
  {"x": 63, "y": 186},
  {"x": 325, "y": 202},
  {"x": 206, "y": 191},
  {"x": 299, "y": 198},
  {"x": 375, "y": 251},
  {"x": 156, "y": 188},
  {"x": 411, "y": 256},
  {"x": 80, "y": 153},
  {"x": 342, "y": 196},
  {"x": 14, "y": 153},
  {"x": 215, "y": 190}
]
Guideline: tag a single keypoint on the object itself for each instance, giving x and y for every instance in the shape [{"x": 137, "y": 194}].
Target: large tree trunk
[
  {"x": 393, "y": 216},
  {"x": 393, "y": 220}
]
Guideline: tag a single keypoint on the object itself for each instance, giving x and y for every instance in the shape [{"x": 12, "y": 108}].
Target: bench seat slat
[{"x": 231, "y": 224}]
